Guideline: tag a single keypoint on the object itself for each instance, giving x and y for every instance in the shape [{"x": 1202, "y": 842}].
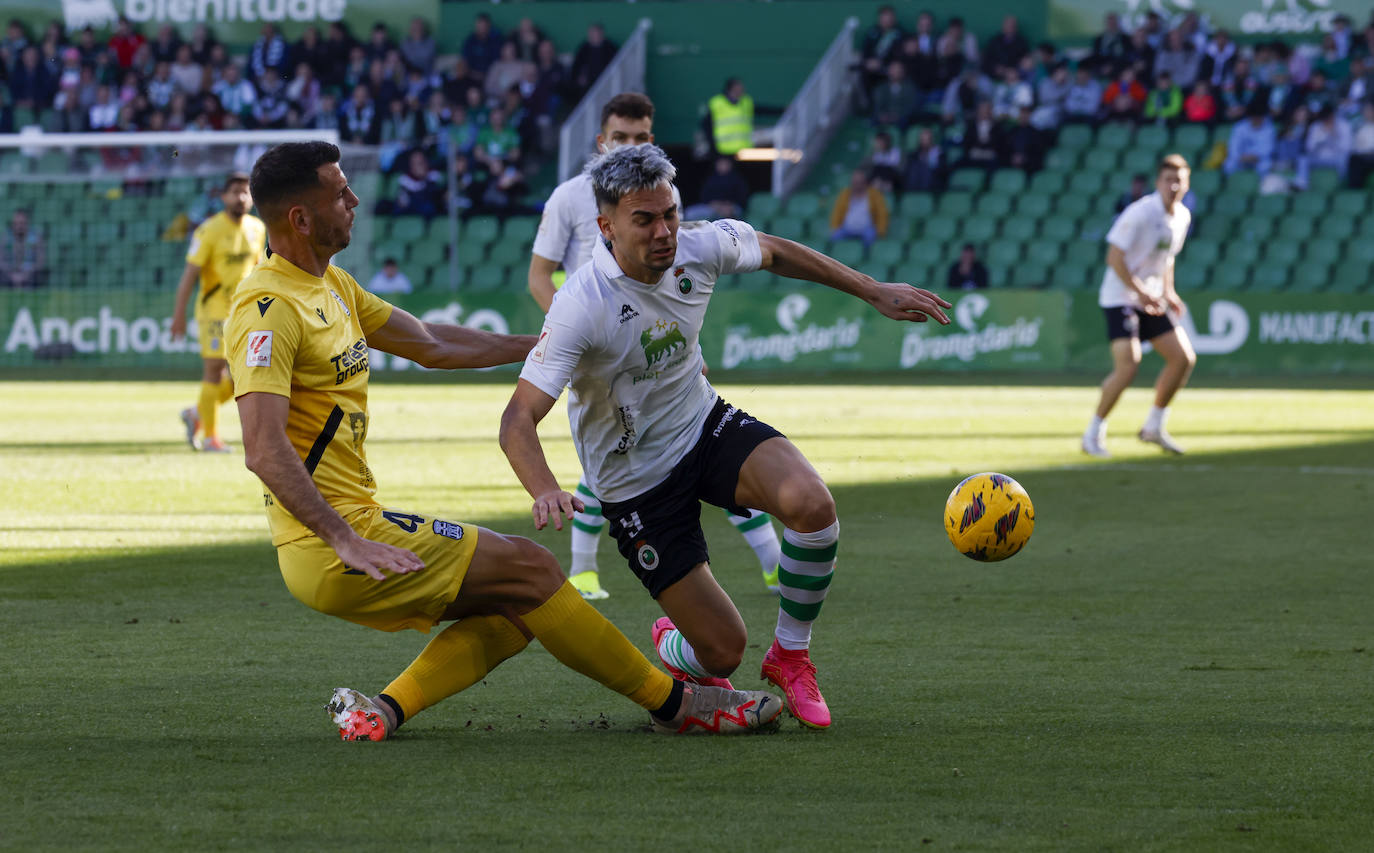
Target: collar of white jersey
[{"x": 608, "y": 266}]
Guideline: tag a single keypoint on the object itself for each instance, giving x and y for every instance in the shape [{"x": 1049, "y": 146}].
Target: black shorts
[
  {"x": 1126, "y": 321},
  {"x": 659, "y": 532}
]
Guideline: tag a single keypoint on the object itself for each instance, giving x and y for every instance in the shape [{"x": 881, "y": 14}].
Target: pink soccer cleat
[
  {"x": 357, "y": 716},
  {"x": 663, "y": 626},
  {"x": 792, "y": 672}
]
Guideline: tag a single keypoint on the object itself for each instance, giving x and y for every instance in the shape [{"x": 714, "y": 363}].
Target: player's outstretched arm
[
  {"x": 520, "y": 442},
  {"x": 445, "y": 346},
  {"x": 188, "y": 281},
  {"x": 541, "y": 280},
  {"x": 268, "y": 453},
  {"x": 896, "y": 301}
]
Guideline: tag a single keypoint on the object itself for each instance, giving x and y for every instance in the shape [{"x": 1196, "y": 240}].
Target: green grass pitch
[{"x": 1181, "y": 659}]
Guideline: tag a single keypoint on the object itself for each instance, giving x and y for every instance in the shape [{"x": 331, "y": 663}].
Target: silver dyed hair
[{"x": 627, "y": 169}]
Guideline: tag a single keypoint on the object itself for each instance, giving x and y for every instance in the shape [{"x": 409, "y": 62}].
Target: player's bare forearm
[
  {"x": 447, "y": 347},
  {"x": 519, "y": 439},
  {"x": 188, "y": 281},
  {"x": 894, "y": 301},
  {"x": 540, "y": 280}
]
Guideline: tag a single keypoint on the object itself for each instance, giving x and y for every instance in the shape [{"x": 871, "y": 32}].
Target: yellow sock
[
  {"x": 226, "y": 389},
  {"x": 582, "y": 639},
  {"x": 457, "y": 658},
  {"x": 208, "y": 407}
]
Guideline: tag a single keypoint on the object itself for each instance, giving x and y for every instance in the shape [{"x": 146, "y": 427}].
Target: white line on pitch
[{"x": 1203, "y": 469}]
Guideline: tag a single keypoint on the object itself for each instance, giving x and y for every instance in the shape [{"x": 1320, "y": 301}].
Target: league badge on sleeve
[
  {"x": 259, "y": 349},
  {"x": 448, "y": 528}
]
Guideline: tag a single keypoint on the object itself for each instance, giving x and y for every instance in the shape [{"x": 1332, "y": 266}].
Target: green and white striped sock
[
  {"x": 804, "y": 573},
  {"x": 586, "y": 532},
  {"x": 674, "y": 650},
  {"x": 757, "y": 530}
]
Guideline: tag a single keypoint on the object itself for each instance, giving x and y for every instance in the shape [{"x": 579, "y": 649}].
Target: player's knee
[
  {"x": 810, "y": 508},
  {"x": 539, "y": 573},
  {"x": 721, "y": 654}
]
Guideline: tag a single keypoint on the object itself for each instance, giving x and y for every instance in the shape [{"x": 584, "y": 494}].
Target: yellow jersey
[
  {"x": 305, "y": 338},
  {"x": 226, "y": 251}
]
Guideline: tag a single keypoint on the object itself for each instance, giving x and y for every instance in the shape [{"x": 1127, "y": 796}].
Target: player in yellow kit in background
[
  {"x": 223, "y": 250},
  {"x": 299, "y": 334}
]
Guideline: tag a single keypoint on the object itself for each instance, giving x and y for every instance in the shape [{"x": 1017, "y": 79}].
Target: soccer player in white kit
[
  {"x": 567, "y": 233},
  {"x": 655, "y": 439},
  {"x": 1140, "y": 303}
]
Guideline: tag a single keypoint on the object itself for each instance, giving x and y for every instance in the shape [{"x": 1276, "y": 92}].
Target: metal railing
[
  {"x": 626, "y": 73},
  {"x": 816, "y": 112}
]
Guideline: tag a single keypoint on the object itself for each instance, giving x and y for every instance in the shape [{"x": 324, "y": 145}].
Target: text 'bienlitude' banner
[
  {"x": 1247, "y": 19},
  {"x": 789, "y": 332}
]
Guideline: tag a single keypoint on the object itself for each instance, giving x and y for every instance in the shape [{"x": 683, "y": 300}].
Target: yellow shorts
[
  {"x": 211, "y": 337},
  {"x": 316, "y": 575}
]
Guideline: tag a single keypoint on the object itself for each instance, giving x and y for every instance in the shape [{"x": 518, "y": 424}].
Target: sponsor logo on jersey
[
  {"x": 627, "y": 313},
  {"x": 628, "y": 434},
  {"x": 265, "y": 303},
  {"x": 342, "y": 304},
  {"x": 724, "y": 419},
  {"x": 647, "y": 556},
  {"x": 259, "y": 349},
  {"x": 320, "y": 312},
  {"x": 448, "y": 528},
  {"x": 728, "y": 229},
  {"x": 660, "y": 341},
  {"x": 350, "y": 362}
]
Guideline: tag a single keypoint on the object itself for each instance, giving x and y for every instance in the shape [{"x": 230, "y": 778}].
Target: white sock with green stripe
[
  {"x": 587, "y": 526},
  {"x": 674, "y": 650},
  {"x": 757, "y": 530},
  {"x": 804, "y": 573}
]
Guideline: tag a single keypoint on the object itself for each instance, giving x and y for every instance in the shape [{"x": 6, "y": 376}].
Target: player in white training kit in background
[
  {"x": 1140, "y": 303},
  {"x": 567, "y": 233},
  {"x": 655, "y": 439}
]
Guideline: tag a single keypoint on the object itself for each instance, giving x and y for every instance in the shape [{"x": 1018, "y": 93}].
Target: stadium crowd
[
  {"x": 999, "y": 103},
  {"x": 494, "y": 106}
]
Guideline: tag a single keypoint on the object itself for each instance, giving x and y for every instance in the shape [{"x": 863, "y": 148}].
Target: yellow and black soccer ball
[{"x": 989, "y": 517}]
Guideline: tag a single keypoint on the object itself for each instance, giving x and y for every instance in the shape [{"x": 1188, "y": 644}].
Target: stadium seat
[
  {"x": 1044, "y": 252},
  {"x": 916, "y": 205},
  {"x": 1104, "y": 160},
  {"x": 382, "y": 251},
  {"x": 1084, "y": 254},
  {"x": 428, "y": 253},
  {"x": 967, "y": 180},
  {"x": 1029, "y": 275},
  {"x": 1200, "y": 252},
  {"x": 848, "y": 252},
  {"x": 1229, "y": 276},
  {"x": 1154, "y": 138},
  {"x": 804, "y": 205},
  {"x": 1296, "y": 228},
  {"x": 1004, "y": 253},
  {"x": 1339, "y": 227},
  {"x": 1191, "y": 277},
  {"x": 1117, "y": 136},
  {"x": 521, "y": 229},
  {"x": 407, "y": 229},
  {"x": 1085, "y": 184},
  {"x": 486, "y": 278},
  {"x": 790, "y": 227},
  {"x": 1075, "y": 137},
  {"x": 940, "y": 230},
  {"x": 1033, "y": 206},
  {"x": 1349, "y": 278},
  {"x": 1272, "y": 206},
  {"x": 1270, "y": 277},
  {"x": 904, "y": 228},
  {"x": 1240, "y": 253},
  {"x": 1020, "y": 228},
  {"x": 955, "y": 205},
  {"x": 1059, "y": 229},
  {"x": 993, "y": 204},
  {"x": 1324, "y": 181},
  {"x": 890, "y": 252},
  {"x": 1231, "y": 204},
  {"x": 1323, "y": 250},
  {"x": 1008, "y": 181},
  {"x": 1280, "y": 253},
  {"x": 762, "y": 206},
  {"x": 1061, "y": 161},
  {"x": 1310, "y": 206},
  {"x": 1142, "y": 160},
  {"x": 1190, "y": 138},
  {"x": 1310, "y": 277},
  {"x": 480, "y": 229},
  {"x": 1360, "y": 253},
  {"x": 1205, "y": 184},
  {"x": 1242, "y": 183},
  {"x": 979, "y": 229},
  {"x": 508, "y": 253},
  {"x": 1350, "y": 203}
]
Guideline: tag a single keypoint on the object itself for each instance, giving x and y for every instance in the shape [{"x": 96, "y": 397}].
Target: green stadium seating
[
  {"x": 1240, "y": 253},
  {"x": 805, "y": 205},
  {"x": 1104, "y": 160},
  {"x": 940, "y": 230},
  {"x": 848, "y": 252},
  {"x": 1200, "y": 252},
  {"x": 480, "y": 229},
  {"x": 407, "y": 229},
  {"x": 979, "y": 229},
  {"x": 790, "y": 227},
  {"x": 508, "y": 253},
  {"x": 1311, "y": 206},
  {"x": 1059, "y": 229},
  {"x": 993, "y": 204},
  {"x": 1349, "y": 278},
  {"x": 967, "y": 180},
  {"x": 1310, "y": 277},
  {"x": 1296, "y": 228},
  {"x": 1004, "y": 253},
  {"x": 890, "y": 252},
  {"x": 1350, "y": 203},
  {"x": 916, "y": 204},
  {"x": 1030, "y": 275},
  {"x": 1085, "y": 184},
  {"x": 428, "y": 253},
  {"x": 1189, "y": 277},
  {"x": 1009, "y": 181},
  {"x": 1116, "y": 136},
  {"x": 1270, "y": 277},
  {"x": 1190, "y": 138},
  {"x": 1075, "y": 137},
  {"x": 1231, "y": 204},
  {"x": 763, "y": 206},
  {"x": 1085, "y": 254},
  {"x": 1324, "y": 181},
  {"x": 1034, "y": 206},
  {"x": 925, "y": 252},
  {"x": 382, "y": 251},
  {"x": 1141, "y": 160},
  {"x": 1272, "y": 206},
  {"x": 1044, "y": 252},
  {"x": 486, "y": 278},
  {"x": 1230, "y": 276},
  {"x": 1280, "y": 253},
  {"x": 1206, "y": 184},
  {"x": 904, "y": 228},
  {"x": 1323, "y": 250},
  {"x": 1061, "y": 161},
  {"x": 1020, "y": 228},
  {"x": 521, "y": 229},
  {"x": 1155, "y": 138},
  {"x": 956, "y": 204},
  {"x": 1242, "y": 183},
  {"x": 1360, "y": 253},
  {"x": 1339, "y": 227}
]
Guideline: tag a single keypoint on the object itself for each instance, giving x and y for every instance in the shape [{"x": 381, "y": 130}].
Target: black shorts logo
[
  {"x": 449, "y": 529},
  {"x": 647, "y": 556}
]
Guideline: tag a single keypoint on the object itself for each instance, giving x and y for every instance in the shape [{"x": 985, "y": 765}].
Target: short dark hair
[
  {"x": 631, "y": 105},
  {"x": 285, "y": 171},
  {"x": 234, "y": 178},
  {"x": 1171, "y": 161}
]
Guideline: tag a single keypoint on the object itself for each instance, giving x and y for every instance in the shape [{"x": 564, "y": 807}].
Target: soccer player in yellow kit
[
  {"x": 298, "y": 340},
  {"x": 223, "y": 250}
]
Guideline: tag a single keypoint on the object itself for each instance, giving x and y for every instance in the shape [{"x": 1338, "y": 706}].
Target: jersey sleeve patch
[
  {"x": 541, "y": 347},
  {"x": 259, "y": 349}
]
